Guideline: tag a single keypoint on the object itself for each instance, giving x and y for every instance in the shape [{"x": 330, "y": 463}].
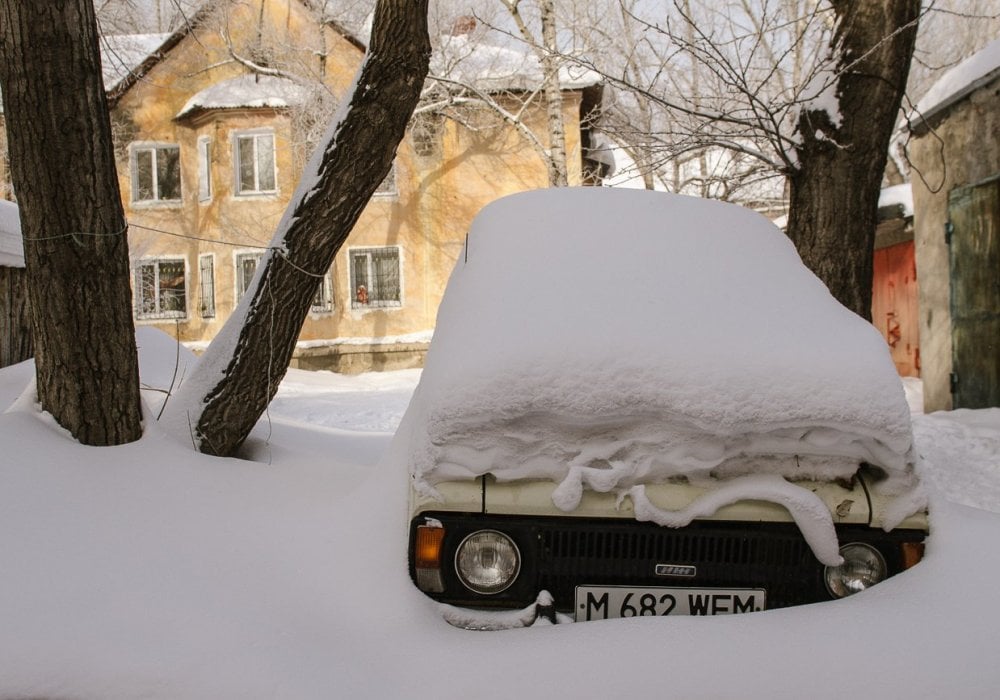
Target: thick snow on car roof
[{"x": 605, "y": 338}]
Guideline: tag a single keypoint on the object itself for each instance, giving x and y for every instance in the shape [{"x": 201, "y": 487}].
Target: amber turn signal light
[
  {"x": 913, "y": 552},
  {"x": 427, "y": 548}
]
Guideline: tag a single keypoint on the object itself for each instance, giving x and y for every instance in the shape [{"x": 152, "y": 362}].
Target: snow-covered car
[{"x": 638, "y": 403}]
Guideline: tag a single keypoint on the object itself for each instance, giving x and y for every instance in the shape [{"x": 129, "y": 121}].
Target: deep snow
[{"x": 151, "y": 571}]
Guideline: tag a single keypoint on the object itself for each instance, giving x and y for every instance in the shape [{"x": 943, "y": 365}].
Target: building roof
[
  {"x": 141, "y": 66},
  {"x": 958, "y": 83},
  {"x": 483, "y": 65},
  {"x": 247, "y": 91},
  {"x": 121, "y": 54},
  {"x": 895, "y": 201},
  {"x": 494, "y": 68}
]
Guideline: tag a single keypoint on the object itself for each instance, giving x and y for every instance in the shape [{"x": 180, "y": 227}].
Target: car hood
[{"x": 611, "y": 341}]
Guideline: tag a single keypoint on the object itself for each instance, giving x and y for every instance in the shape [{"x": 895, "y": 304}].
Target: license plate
[{"x": 604, "y": 602}]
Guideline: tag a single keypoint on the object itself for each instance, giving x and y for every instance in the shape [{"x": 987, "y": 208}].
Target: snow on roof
[
  {"x": 163, "y": 15},
  {"x": 495, "y": 68},
  {"x": 121, "y": 54},
  {"x": 609, "y": 338},
  {"x": 956, "y": 83},
  {"x": 897, "y": 195},
  {"x": 248, "y": 91},
  {"x": 11, "y": 245}
]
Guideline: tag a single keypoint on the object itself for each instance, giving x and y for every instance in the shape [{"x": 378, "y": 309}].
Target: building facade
[{"x": 213, "y": 125}]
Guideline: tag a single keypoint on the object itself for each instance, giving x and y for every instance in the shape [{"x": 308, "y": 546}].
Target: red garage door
[{"x": 894, "y": 305}]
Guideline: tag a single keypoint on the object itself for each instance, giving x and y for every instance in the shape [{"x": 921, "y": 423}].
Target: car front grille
[
  {"x": 561, "y": 553},
  {"x": 723, "y": 555}
]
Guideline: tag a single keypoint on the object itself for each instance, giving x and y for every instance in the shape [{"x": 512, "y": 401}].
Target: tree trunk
[
  {"x": 75, "y": 246},
  {"x": 834, "y": 191},
  {"x": 242, "y": 375},
  {"x": 552, "y": 90},
  {"x": 546, "y": 51}
]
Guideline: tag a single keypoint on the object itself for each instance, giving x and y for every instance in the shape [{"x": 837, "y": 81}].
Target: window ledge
[
  {"x": 251, "y": 196},
  {"x": 158, "y": 204},
  {"x": 370, "y": 309},
  {"x": 164, "y": 319}
]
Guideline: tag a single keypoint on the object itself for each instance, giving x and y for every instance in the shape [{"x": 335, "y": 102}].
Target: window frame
[
  {"x": 158, "y": 314},
  {"x": 324, "y": 295},
  {"x": 324, "y": 292},
  {"x": 388, "y": 187},
  {"x": 373, "y": 303},
  {"x": 241, "y": 283},
  {"x": 254, "y": 135},
  {"x": 154, "y": 147},
  {"x": 207, "y": 309}
]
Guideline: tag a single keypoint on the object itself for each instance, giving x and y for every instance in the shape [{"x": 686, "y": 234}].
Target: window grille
[
  {"x": 323, "y": 301},
  {"x": 160, "y": 290},
  {"x": 388, "y": 185},
  {"x": 375, "y": 277},
  {"x": 425, "y": 131},
  {"x": 206, "y": 281},
  {"x": 246, "y": 267}
]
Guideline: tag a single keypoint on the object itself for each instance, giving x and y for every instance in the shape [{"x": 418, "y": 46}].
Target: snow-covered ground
[{"x": 151, "y": 571}]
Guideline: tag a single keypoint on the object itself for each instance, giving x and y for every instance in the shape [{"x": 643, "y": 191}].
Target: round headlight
[
  {"x": 863, "y": 567},
  {"x": 487, "y": 562}
]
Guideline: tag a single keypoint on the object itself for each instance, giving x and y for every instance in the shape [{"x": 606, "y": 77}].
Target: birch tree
[{"x": 547, "y": 51}]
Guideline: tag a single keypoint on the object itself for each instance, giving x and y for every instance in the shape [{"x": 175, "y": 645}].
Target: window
[
  {"x": 156, "y": 173},
  {"x": 206, "y": 285},
  {"x": 246, "y": 266},
  {"x": 159, "y": 289},
  {"x": 426, "y": 134},
  {"x": 375, "y": 277},
  {"x": 388, "y": 185},
  {"x": 204, "y": 169},
  {"x": 322, "y": 302},
  {"x": 255, "y": 163}
]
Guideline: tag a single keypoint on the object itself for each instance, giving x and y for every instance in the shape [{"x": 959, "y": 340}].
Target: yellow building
[{"x": 210, "y": 150}]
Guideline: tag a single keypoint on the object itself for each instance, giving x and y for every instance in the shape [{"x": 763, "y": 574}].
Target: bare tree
[
  {"x": 808, "y": 90},
  {"x": 706, "y": 93},
  {"x": 76, "y": 252}
]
